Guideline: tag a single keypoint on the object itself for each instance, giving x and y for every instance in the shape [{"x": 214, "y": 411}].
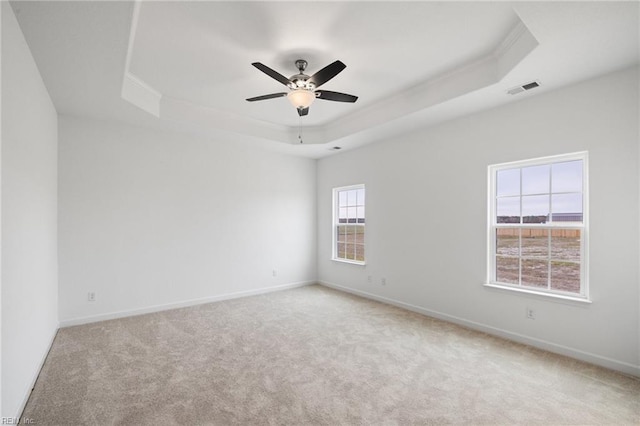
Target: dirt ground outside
[
  {"x": 545, "y": 259},
  {"x": 549, "y": 260},
  {"x": 350, "y": 239}
]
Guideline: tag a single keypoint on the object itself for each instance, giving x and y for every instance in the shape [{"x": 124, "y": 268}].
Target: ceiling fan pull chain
[{"x": 300, "y": 128}]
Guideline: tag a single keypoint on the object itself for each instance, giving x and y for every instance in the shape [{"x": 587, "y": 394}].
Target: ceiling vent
[{"x": 522, "y": 88}]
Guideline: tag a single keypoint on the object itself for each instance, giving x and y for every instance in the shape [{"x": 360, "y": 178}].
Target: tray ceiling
[{"x": 187, "y": 65}]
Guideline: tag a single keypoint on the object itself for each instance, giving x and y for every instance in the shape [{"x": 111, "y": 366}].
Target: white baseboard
[
  {"x": 182, "y": 304},
  {"x": 623, "y": 367},
  {"x": 34, "y": 378}
]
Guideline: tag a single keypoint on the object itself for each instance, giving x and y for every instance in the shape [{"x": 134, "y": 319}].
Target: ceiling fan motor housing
[{"x": 301, "y": 81}]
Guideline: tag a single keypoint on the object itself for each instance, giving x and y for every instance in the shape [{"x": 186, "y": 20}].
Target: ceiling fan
[{"x": 303, "y": 89}]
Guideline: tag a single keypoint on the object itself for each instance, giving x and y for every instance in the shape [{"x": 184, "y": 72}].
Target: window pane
[
  {"x": 359, "y": 234},
  {"x": 351, "y": 251},
  {"x": 535, "y": 209},
  {"x": 508, "y": 242},
  {"x": 565, "y": 276},
  {"x": 566, "y": 177},
  {"x": 508, "y": 210},
  {"x": 535, "y": 180},
  {"x": 351, "y": 214},
  {"x": 360, "y": 252},
  {"x": 360, "y": 212},
  {"x": 508, "y": 182},
  {"x": 360, "y": 197},
  {"x": 351, "y": 197},
  {"x": 342, "y": 250},
  {"x": 566, "y": 207},
  {"x": 342, "y": 215},
  {"x": 535, "y": 243},
  {"x": 341, "y": 233},
  {"x": 565, "y": 244},
  {"x": 507, "y": 270},
  {"x": 352, "y": 232},
  {"x": 535, "y": 273},
  {"x": 342, "y": 198}
]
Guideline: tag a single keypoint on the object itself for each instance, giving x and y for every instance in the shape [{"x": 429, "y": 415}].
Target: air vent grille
[{"x": 523, "y": 87}]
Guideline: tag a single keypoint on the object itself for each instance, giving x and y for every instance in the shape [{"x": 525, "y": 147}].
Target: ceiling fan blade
[
  {"x": 336, "y": 96},
  {"x": 303, "y": 111},
  {"x": 271, "y": 73},
  {"x": 327, "y": 73},
  {"x": 271, "y": 96}
]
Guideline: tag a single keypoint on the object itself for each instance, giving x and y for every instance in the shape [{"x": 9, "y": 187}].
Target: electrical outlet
[
  {"x": 383, "y": 281},
  {"x": 369, "y": 279},
  {"x": 531, "y": 313},
  {"x": 91, "y": 296}
]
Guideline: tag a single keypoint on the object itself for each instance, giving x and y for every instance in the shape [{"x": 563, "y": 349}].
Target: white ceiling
[{"x": 187, "y": 65}]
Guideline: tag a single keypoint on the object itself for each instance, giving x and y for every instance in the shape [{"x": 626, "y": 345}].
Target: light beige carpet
[{"x": 314, "y": 356}]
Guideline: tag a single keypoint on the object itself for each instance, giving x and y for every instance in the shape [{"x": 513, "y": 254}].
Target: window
[
  {"x": 538, "y": 225},
  {"x": 348, "y": 224}
]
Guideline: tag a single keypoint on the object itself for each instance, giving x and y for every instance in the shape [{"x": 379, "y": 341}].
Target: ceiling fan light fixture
[
  {"x": 301, "y": 98},
  {"x": 302, "y": 88}
]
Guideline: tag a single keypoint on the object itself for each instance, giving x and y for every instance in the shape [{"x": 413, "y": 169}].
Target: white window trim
[
  {"x": 584, "y": 243},
  {"x": 334, "y": 254}
]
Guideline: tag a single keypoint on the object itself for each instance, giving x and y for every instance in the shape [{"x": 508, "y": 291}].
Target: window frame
[
  {"x": 335, "y": 223},
  {"x": 492, "y": 226}
]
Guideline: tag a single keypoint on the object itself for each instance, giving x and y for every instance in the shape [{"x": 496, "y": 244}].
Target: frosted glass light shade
[{"x": 301, "y": 98}]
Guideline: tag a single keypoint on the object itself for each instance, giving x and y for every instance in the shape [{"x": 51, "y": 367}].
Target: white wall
[
  {"x": 427, "y": 214},
  {"x": 29, "y": 218},
  {"x": 1, "y": 9},
  {"x": 152, "y": 219},
  {"x": 1, "y": 38}
]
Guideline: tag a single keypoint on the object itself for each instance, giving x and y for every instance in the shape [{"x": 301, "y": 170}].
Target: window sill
[
  {"x": 353, "y": 262},
  {"x": 559, "y": 297}
]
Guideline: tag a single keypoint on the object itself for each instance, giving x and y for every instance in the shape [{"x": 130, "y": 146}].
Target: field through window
[
  {"x": 538, "y": 224},
  {"x": 350, "y": 242},
  {"x": 349, "y": 223},
  {"x": 539, "y": 258}
]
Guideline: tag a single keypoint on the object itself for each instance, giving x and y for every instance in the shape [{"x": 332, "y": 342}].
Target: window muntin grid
[
  {"x": 349, "y": 224},
  {"x": 538, "y": 225}
]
